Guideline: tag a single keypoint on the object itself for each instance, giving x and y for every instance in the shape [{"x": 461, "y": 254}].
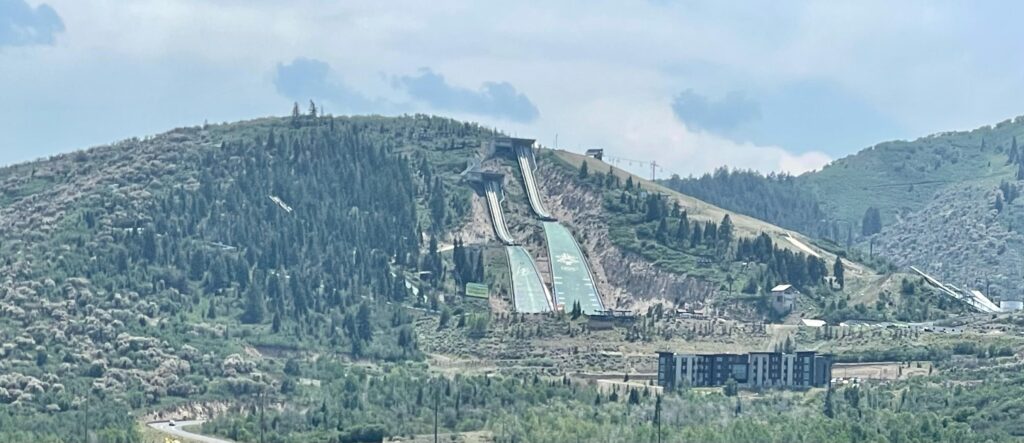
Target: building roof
[
  {"x": 813, "y": 322},
  {"x": 781, "y": 288}
]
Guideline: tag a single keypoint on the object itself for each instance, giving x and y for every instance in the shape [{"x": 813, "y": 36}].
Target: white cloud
[{"x": 601, "y": 75}]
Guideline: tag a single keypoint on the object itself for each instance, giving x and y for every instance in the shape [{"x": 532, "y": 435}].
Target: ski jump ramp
[
  {"x": 975, "y": 299},
  {"x": 491, "y": 190},
  {"x": 570, "y": 272},
  {"x": 529, "y": 295},
  {"x": 526, "y": 163}
]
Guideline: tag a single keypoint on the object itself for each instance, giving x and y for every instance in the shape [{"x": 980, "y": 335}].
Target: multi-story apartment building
[{"x": 756, "y": 369}]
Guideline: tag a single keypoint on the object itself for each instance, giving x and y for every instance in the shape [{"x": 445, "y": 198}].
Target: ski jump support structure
[
  {"x": 491, "y": 182},
  {"x": 974, "y": 299}
]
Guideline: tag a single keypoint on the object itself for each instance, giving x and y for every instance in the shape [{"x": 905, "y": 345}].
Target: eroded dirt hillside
[{"x": 625, "y": 279}]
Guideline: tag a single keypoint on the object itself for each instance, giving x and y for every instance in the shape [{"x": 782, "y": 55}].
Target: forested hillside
[
  {"x": 946, "y": 202},
  {"x": 310, "y": 268},
  {"x": 157, "y": 269},
  {"x": 657, "y": 227},
  {"x": 775, "y": 198}
]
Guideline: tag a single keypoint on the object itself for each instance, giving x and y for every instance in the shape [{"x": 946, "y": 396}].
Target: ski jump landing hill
[
  {"x": 572, "y": 279},
  {"x": 529, "y": 294}
]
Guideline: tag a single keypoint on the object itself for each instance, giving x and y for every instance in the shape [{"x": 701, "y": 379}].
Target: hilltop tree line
[
  {"x": 663, "y": 220},
  {"x": 776, "y": 198}
]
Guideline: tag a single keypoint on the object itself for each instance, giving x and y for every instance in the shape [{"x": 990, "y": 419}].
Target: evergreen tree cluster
[
  {"x": 660, "y": 219},
  {"x": 468, "y": 262},
  {"x": 872, "y": 222},
  {"x": 781, "y": 265},
  {"x": 775, "y": 198},
  {"x": 673, "y": 227}
]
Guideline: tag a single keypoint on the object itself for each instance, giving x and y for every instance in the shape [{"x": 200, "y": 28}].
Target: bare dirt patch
[{"x": 880, "y": 370}]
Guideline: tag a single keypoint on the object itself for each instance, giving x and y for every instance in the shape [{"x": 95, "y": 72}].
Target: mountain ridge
[{"x": 909, "y": 182}]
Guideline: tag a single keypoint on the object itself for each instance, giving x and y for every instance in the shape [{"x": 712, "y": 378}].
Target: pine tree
[
  {"x": 296, "y": 115},
  {"x": 577, "y": 310},
  {"x": 725, "y": 231},
  {"x": 149, "y": 244},
  {"x": 837, "y": 271},
  {"x": 683, "y": 230},
  {"x": 661, "y": 235},
  {"x": 438, "y": 205},
  {"x": 584, "y": 172},
  {"x": 363, "y": 325},
  {"x": 872, "y": 222},
  {"x": 255, "y": 307},
  {"x": 1014, "y": 154}
]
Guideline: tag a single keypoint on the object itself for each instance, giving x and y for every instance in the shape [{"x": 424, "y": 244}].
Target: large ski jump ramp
[
  {"x": 573, "y": 282},
  {"x": 524, "y": 154},
  {"x": 528, "y": 292},
  {"x": 497, "y": 217}
]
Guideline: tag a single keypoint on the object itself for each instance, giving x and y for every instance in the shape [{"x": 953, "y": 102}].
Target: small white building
[
  {"x": 1011, "y": 305},
  {"x": 783, "y": 298},
  {"x": 812, "y": 322}
]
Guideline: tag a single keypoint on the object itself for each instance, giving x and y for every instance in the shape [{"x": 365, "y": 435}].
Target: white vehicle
[{"x": 170, "y": 423}]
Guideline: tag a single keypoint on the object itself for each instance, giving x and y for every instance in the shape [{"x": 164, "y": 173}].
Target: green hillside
[
  {"x": 156, "y": 271},
  {"x": 295, "y": 267},
  {"x": 903, "y": 176},
  {"x": 947, "y": 202}
]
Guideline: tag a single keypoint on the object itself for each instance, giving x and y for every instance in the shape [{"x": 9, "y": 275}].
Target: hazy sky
[{"x": 694, "y": 85}]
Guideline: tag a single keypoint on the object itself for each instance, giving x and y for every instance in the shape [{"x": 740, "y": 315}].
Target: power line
[{"x": 653, "y": 164}]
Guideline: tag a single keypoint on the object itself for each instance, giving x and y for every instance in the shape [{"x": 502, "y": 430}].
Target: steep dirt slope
[
  {"x": 625, "y": 279},
  {"x": 703, "y": 211}
]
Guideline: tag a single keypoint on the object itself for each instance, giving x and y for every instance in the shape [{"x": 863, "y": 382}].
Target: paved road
[
  {"x": 569, "y": 271},
  {"x": 528, "y": 290},
  {"x": 176, "y": 431}
]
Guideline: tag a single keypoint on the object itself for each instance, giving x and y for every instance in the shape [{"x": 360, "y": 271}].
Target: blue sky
[{"x": 691, "y": 84}]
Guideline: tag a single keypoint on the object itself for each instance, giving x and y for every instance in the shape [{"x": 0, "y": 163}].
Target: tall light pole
[
  {"x": 657, "y": 415},
  {"x": 437, "y": 400}
]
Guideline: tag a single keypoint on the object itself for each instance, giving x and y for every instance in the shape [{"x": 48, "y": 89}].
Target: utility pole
[
  {"x": 657, "y": 415},
  {"x": 654, "y": 167},
  {"x": 437, "y": 400},
  {"x": 263, "y": 410},
  {"x": 87, "y": 416}
]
